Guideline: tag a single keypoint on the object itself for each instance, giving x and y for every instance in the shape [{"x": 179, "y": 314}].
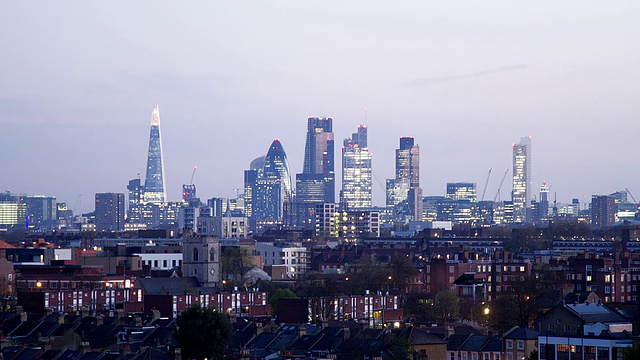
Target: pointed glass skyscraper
[{"x": 154, "y": 189}]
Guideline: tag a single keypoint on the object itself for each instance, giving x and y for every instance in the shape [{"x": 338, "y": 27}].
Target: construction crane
[
  {"x": 634, "y": 199},
  {"x": 485, "y": 184},
  {"x": 193, "y": 174},
  {"x": 500, "y": 187}
]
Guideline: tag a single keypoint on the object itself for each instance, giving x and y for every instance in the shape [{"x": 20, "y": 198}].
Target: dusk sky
[{"x": 466, "y": 79}]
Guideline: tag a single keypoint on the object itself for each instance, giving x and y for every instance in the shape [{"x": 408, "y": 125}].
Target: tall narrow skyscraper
[
  {"x": 316, "y": 184},
  {"x": 408, "y": 162},
  {"x": 356, "y": 171},
  {"x": 521, "y": 193},
  {"x": 319, "y": 154},
  {"x": 404, "y": 191},
  {"x": 154, "y": 189}
]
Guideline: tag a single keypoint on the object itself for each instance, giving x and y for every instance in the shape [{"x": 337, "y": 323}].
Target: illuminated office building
[
  {"x": 462, "y": 191},
  {"x": 356, "y": 171},
  {"x": 521, "y": 193}
]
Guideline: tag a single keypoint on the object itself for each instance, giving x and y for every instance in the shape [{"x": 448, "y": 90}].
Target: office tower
[
  {"x": 316, "y": 184},
  {"x": 41, "y": 211},
  {"x": 319, "y": 154},
  {"x": 276, "y": 166},
  {"x": 13, "y": 211},
  {"x": 109, "y": 211},
  {"x": 399, "y": 190},
  {"x": 356, "y": 171},
  {"x": 543, "y": 204},
  {"x": 462, "y": 191},
  {"x": 154, "y": 189},
  {"x": 267, "y": 187},
  {"x": 408, "y": 162},
  {"x": 521, "y": 193},
  {"x": 603, "y": 210},
  {"x": 134, "y": 214}
]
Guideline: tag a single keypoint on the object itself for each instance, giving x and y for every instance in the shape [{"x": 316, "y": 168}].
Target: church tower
[{"x": 201, "y": 258}]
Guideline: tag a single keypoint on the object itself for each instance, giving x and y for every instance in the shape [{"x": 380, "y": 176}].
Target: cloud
[{"x": 449, "y": 78}]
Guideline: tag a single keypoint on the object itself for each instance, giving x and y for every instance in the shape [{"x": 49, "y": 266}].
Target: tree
[
  {"x": 533, "y": 355},
  {"x": 446, "y": 305},
  {"x": 280, "y": 294},
  {"x": 202, "y": 333},
  {"x": 520, "y": 305},
  {"x": 236, "y": 262}
]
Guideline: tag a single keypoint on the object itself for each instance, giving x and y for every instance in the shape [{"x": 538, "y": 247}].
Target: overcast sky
[{"x": 78, "y": 81}]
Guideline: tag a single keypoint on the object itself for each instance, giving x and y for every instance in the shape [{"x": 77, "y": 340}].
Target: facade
[
  {"x": 316, "y": 184},
  {"x": 41, "y": 211},
  {"x": 109, "y": 210},
  {"x": 356, "y": 171},
  {"x": 136, "y": 191},
  {"x": 154, "y": 187},
  {"x": 462, "y": 191},
  {"x": 319, "y": 154},
  {"x": 408, "y": 161},
  {"x": 201, "y": 259},
  {"x": 404, "y": 195},
  {"x": 603, "y": 210},
  {"x": 521, "y": 193},
  {"x": 13, "y": 214}
]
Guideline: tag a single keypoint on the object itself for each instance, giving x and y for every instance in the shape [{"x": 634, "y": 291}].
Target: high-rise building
[
  {"x": 319, "y": 154},
  {"x": 154, "y": 189},
  {"x": 408, "y": 161},
  {"x": 109, "y": 211},
  {"x": 543, "y": 204},
  {"x": 462, "y": 191},
  {"x": 41, "y": 211},
  {"x": 356, "y": 171},
  {"x": 603, "y": 210},
  {"x": 316, "y": 184},
  {"x": 267, "y": 187},
  {"x": 403, "y": 192},
  {"x": 135, "y": 201},
  {"x": 521, "y": 193}
]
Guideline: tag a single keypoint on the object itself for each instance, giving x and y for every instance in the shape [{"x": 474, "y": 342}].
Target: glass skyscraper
[
  {"x": 267, "y": 186},
  {"x": 154, "y": 189},
  {"x": 521, "y": 193},
  {"x": 319, "y": 154},
  {"x": 356, "y": 171}
]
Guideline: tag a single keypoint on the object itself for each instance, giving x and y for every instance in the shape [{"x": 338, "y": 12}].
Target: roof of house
[{"x": 521, "y": 333}]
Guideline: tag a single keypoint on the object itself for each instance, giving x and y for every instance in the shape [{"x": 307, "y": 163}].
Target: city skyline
[{"x": 458, "y": 81}]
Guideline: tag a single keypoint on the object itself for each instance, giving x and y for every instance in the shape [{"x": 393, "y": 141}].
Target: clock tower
[{"x": 201, "y": 258}]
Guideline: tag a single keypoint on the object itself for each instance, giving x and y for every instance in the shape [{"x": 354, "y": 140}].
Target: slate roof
[
  {"x": 421, "y": 336},
  {"x": 49, "y": 355},
  {"x": 521, "y": 334},
  {"x": 172, "y": 285},
  {"x": 493, "y": 345},
  {"x": 455, "y": 341},
  {"x": 474, "y": 343},
  {"x": 593, "y": 313}
]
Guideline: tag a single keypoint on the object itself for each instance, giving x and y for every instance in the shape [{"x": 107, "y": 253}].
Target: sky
[{"x": 466, "y": 79}]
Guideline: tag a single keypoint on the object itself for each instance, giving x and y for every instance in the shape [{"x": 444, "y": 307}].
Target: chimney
[
  {"x": 99, "y": 320},
  {"x": 450, "y": 330},
  {"x": 138, "y": 321},
  {"x": 178, "y": 354}
]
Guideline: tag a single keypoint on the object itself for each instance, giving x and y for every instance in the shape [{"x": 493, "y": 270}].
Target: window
[
  {"x": 165, "y": 263},
  {"x": 567, "y": 329},
  {"x": 195, "y": 254},
  {"x": 521, "y": 343},
  {"x": 155, "y": 263},
  {"x": 509, "y": 344}
]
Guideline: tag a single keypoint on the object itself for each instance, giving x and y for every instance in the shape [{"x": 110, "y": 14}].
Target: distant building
[
  {"x": 109, "y": 211},
  {"x": 41, "y": 211},
  {"x": 462, "y": 191},
  {"x": 316, "y": 184},
  {"x": 603, "y": 210},
  {"x": 154, "y": 187},
  {"x": 356, "y": 172},
  {"x": 522, "y": 181},
  {"x": 404, "y": 195}
]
